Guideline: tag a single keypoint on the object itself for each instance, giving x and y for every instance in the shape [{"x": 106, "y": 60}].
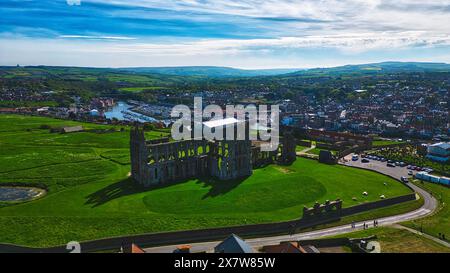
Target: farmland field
[
  {"x": 140, "y": 89},
  {"x": 90, "y": 195}
]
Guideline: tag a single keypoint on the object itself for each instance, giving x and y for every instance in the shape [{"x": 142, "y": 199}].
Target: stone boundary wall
[
  {"x": 377, "y": 204},
  {"x": 355, "y": 149},
  {"x": 304, "y": 143},
  {"x": 327, "y": 146},
  {"x": 212, "y": 234}
]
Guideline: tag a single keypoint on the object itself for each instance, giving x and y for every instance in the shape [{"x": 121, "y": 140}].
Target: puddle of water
[{"x": 18, "y": 194}]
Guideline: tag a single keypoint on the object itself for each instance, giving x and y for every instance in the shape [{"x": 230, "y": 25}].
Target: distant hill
[
  {"x": 209, "y": 71},
  {"x": 374, "y": 68}
]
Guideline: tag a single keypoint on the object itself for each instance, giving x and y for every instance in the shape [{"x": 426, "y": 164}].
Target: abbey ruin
[{"x": 161, "y": 161}]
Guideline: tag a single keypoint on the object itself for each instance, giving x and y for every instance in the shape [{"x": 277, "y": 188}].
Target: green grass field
[
  {"x": 140, "y": 89},
  {"x": 316, "y": 151},
  {"x": 440, "y": 221},
  {"x": 379, "y": 142},
  {"x": 394, "y": 240},
  {"x": 300, "y": 148},
  {"x": 90, "y": 195}
]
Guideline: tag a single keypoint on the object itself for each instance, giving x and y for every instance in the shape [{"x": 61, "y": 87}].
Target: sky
[{"x": 236, "y": 33}]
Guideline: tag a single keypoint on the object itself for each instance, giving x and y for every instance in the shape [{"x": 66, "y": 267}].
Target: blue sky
[{"x": 237, "y": 33}]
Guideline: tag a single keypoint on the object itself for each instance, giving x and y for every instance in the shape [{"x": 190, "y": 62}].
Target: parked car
[
  {"x": 365, "y": 160},
  {"x": 392, "y": 165},
  {"x": 410, "y": 173},
  {"x": 404, "y": 179},
  {"x": 355, "y": 157},
  {"x": 409, "y": 167}
]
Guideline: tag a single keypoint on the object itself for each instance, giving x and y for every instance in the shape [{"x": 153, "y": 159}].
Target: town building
[
  {"x": 439, "y": 152},
  {"x": 233, "y": 244}
]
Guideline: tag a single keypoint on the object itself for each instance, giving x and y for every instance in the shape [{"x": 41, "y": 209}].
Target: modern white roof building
[
  {"x": 220, "y": 122},
  {"x": 439, "y": 152}
]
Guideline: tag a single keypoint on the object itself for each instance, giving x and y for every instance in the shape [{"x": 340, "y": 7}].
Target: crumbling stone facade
[
  {"x": 318, "y": 210},
  {"x": 161, "y": 162}
]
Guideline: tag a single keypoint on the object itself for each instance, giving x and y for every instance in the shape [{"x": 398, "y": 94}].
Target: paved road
[
  {"x": 430, "y": 204},
  {"x": 305, "y": 151}
]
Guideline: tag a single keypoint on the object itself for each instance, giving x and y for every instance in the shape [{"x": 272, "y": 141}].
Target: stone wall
[
  {"x": 304, "y": 143},
  {"x": 191, "y": 236},
  {"x": 377, "y": 204},
  {"x": 160, "y": 161}
]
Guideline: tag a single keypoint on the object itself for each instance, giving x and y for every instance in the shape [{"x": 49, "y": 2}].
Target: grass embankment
[
  {"x": 90, "y": 195},
  {"x": 440, "y": 221},
  {"x": 379, "y": 142},
  {"x": 394, "y": 240}
]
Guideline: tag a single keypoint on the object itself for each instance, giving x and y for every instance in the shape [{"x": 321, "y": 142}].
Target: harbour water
[{"x": 121, "y": 111}]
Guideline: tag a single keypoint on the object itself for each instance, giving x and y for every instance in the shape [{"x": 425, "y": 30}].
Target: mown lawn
[
  {"x": 394, "y": 240},
  {"x": 377, "y": 143},
  {"x": 90, "y": 195},
  {"x": 316, "y": 151},
  {"x": 440, "y": 221},
  {"x": 300, "y": 148}
]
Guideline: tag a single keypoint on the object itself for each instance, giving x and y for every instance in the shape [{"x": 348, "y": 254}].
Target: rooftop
[
  {"x": 233, "y": 244},
  {"x": 443, "y": 145},
  {"x": 220, "y": 122}
]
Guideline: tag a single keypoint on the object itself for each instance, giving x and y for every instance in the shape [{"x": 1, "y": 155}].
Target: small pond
[{"x": 19, "y": 194}]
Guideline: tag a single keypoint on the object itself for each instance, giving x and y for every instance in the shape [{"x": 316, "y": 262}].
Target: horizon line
[{"x": 229, "y": 67}]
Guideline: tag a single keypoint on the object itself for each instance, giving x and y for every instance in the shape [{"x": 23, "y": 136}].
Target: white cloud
[
  {"x": 336, "y": 17},
  {"x": 377, "y": 12},
  {"x": 356, "y": 43},
  {"x": 73, "y": 2},
  {"x": 350, "y": 27},
  {"x": 89, "y": 37}
]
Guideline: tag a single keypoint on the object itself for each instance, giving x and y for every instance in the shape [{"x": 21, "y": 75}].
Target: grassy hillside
[
  {"x": 440, "y": 221},
  {"x": 90, "y": 195},
  {"x": 209, "y": 71},
  {"x": 377, "y": 68},
  {"x": 400, "y": 241}
]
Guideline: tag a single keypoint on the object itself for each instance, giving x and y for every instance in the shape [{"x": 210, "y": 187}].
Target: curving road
[{"x": 430, "y": 204}]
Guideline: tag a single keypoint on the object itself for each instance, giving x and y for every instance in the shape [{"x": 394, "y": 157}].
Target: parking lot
[{"x": 396, "y": 172}]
